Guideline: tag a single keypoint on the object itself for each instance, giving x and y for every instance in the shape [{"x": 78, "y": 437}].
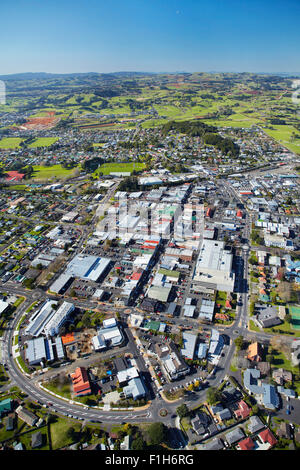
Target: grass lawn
[
  {"x": 10, "y": 143},
  {"x": 48, "y": 172},
  {"x": 107, "y": 168},
  {"x": 58, "y": 432},
  {"x": 43, "y": 142}
]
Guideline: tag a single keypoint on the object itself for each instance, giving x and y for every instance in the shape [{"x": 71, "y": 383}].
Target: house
[
  {"x": 255, "y": 424},
  {"x": 81, "y": 383},
  {"x": 267, "y": 437},
  {"x": 36, "y": 440},
  {"x": 27, "y": 416},
  {"x": 200, "y": 422},
  {"x": 242, "y": 411},
  {"x": 255, "y": 353},
  {"x": 246, "y": 444},
  {"x": 214, "y": 444},
  {"x": 5, "y": 406},
  {"x": 284, "y": 431},
  {"x": 234, "y": 436},
  {"x": 224, "y": 414},
  {"x": 10, "y": 423},
  {"x": 281, "y": 375}
]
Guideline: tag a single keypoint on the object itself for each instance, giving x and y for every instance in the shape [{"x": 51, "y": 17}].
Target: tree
[
  {"x": 182, "y": 411},
  {"x": 213, "y": 396},
  {"x": 239, "y": 342},
  {"x": 138, "y": 444},
  {"x": 156, "y": 433}
]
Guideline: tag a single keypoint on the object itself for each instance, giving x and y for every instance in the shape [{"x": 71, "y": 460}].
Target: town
[{"x": 149, "y": 285}]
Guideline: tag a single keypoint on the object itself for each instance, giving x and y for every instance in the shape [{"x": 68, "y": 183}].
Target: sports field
[
  {"x": 43, "y": 142},
  {"x": 295, "y": 313},
  {"x": 108, "y": 168},
  {"x": 51, "y": 172},
  {"x": 10, "y": 142}
]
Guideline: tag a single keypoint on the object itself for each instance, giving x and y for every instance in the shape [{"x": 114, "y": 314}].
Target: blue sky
[{"x": 64, "y": 36}]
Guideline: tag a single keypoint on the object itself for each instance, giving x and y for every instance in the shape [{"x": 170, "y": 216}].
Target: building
[
  {"x": 5, "y": 406},
  {"x": 214, "y": 267},
  {"x": 58, "y": 319},
  {"x": 234, "y": 436},
  {"x": 92, "y": 268},
  {"x": 255, "y": 352},
  {"x": 206, "y": 311},
  {"x": 160, "y": 294},
  {"x": 125, "y": 375},
  {"x": 266, "y": 316},
  {"x": 62, "y": 283},
  {"x": 242, "y": 411},
  {"x": 267, "y": 437},
  {"x": 135, "y": 389},
  {"x": 215, "y": 347},
  {"x": 39, "y": 320},
  {"x": 189, "y": 345},
  {"x": 109, "y": 335},
  {"x": 26, "y": 415},
  {"x": 246, "y": 444},
  {"x": 3, "y": 306},
  {"x": 81, "y": 382}
]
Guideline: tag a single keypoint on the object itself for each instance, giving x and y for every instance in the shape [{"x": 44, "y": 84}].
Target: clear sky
[{"x": 64, "y": 36}]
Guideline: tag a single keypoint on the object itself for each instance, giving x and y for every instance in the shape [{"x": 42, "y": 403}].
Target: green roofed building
[{"x": 5, "y": 406}]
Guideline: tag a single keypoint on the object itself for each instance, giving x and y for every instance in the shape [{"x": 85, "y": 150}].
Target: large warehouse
[
  {"x": 88, "y": 267},
  {"x": 214, "y": 267}
]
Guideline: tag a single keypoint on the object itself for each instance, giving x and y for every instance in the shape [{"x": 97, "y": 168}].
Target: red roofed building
[
  {"x": 246, "y": 444},
  {"x": 136, "y": 276},
  {"x": 267, "y": 437},
  {"x": 81, "y": 383},
  {"x": 243, "y": 410},
  {"x": 14, "y": 176},
  {"x": 239, "y": 214}
]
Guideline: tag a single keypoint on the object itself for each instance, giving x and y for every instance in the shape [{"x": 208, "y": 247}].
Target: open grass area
[
  {"x": 59, "y": 430},
  {"x": 43, "y": 142},
  {"x": 51, "y": 172},
  {"x": 10, "y": 143},
  {"x": 108, "y": 168}
]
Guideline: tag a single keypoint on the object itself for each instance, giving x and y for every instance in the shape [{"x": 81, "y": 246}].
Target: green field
[
  {"x": 43, "y": 142},
  {"x": 10, "y": 143},
  {"x": 295, "y": 313},
  {"x": 48, "y": 172},
  {"x": 107, "y": 168}
]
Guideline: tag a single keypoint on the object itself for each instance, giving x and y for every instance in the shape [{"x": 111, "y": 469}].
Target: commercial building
[
  {"x": 214, "y": 267},
  {"x": 109, "y": 335},
  {"x": 39, "y": 320},
  {"x": 189, "y": 345},
  {"x": 58, "y": 319},
  {"x": 88, "y": 267}
]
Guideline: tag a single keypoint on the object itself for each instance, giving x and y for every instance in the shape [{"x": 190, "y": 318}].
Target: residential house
[
  {"x": 81, "y": 383},
  {"x": 246, "y": 444},
  {"x": 242, "y": 411},
  {"x": 267, "y": 437},
  {"x": 255, "y": 353}
]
